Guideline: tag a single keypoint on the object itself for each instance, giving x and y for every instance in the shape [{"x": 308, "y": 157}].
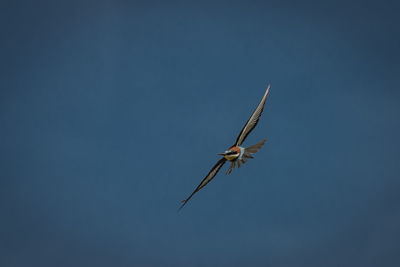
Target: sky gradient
[{"x": 112, "y": 112}]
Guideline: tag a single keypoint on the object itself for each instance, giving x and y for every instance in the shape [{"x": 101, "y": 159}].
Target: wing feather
[
  {"x": 253, "y": 120},
  {"x": 211, "y": 174}
]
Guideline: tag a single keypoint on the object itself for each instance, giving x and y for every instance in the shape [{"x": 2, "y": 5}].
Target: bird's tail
[
  {"x": 247, "y": 154},
  {"x": 254, "y": 148}
]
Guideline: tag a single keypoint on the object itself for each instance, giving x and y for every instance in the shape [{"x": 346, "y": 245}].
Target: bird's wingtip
[{"x": 183, "y": 204}]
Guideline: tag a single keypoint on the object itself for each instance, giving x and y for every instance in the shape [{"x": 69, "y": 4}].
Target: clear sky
[{"x": 112, "y": 112}]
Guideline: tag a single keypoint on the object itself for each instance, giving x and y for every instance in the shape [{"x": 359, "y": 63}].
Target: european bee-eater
[{"x": 236, "y": 154}]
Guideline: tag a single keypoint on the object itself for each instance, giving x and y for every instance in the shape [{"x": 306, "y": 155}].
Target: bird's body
[{"x": 236, "y": 154}]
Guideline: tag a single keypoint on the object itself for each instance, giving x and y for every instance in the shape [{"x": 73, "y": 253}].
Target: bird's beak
[{"x": 222, "y": 154}]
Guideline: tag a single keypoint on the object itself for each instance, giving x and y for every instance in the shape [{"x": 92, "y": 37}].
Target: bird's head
[{"x": 231, "y": 154}]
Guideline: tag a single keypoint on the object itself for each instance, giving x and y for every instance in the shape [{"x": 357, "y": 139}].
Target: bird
[{"x": 236, "y": 154}]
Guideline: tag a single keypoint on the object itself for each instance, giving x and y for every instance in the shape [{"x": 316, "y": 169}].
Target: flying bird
[{"x": 236, "y": 154}]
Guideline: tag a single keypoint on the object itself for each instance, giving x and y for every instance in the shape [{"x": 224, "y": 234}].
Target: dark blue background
[{"x": 111, "y": 112}]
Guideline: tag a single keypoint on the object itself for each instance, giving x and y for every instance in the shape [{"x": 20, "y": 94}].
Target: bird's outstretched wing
[
  {"x": 206, "y": 180},
  {"x": 253, "y": 120}
]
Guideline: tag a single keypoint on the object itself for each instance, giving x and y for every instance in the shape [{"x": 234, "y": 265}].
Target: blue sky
[{"x": 112, "y": 112}]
